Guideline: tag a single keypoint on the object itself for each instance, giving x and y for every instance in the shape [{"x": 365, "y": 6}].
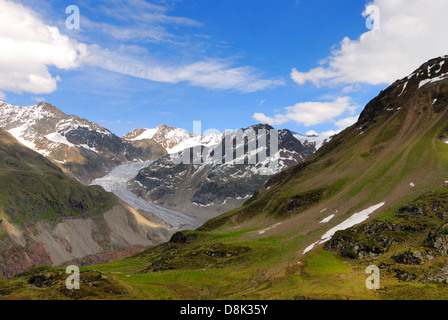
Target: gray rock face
[
  {"x": 441, "y": 276},
  {"x": 413, "y": 257},
  {"x": 441, "y": 244}
]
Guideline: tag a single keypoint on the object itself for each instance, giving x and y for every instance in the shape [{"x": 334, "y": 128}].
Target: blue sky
[{"x": 227, "y": 63}]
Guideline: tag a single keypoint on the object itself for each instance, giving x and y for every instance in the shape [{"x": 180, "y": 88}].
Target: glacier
[{"x": 115, "y": 182}]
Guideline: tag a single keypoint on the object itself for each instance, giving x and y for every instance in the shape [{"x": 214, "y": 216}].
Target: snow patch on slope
[
  {"x": 355, "y": 219},
  {"x": 146, "y": 134},
  {"x": 59, "y": 138},
  {"x": 404, "y": 88},
  {"x": 270, "y": 228},
  {"x": 439, "y": 78},
  {"x": 327, "y": 219},
  {"x": 18, "y": 134}
]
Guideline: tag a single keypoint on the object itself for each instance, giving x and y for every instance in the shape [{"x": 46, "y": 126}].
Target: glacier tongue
[{"x": 116, "y": 181}]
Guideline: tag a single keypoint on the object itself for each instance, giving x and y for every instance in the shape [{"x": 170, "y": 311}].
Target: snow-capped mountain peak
[
  {"x": 174, "y": 139},
  {"x": 43, "y": 127}
]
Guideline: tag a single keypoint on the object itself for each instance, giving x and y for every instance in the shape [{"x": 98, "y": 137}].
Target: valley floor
[{"x": 242, "y": 265}]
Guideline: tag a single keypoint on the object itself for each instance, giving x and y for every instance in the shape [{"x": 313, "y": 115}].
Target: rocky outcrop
[
  {"x": 440, "y": 276},
  {"x": 182, "y": 237},
  {"x": 438, "y": 239},
  {"x": 370, "y": 240},
  {"x": 413, "y": 257}
]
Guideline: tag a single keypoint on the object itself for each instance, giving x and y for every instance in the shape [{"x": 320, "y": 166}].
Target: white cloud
[
  {"x": 351, "y": 88},
  {"x": 132, "y": 32},
  {"x": 143, "y": 21},
  {"x": 346, "y": 122},
  {"x": 315, "y": 75},
  {"x": 215, "y": 74},
  {"x": 312, "y": 133},
  {"x": 341, "y": 124},
  {"x": 411, "y": 32},
  {"x": 329, "y": 133},
  {"x": 138, "y": 20},
  {"x": 142, "y": 11},
  {"x": 2, "y": 95},
  {"x": 29, "y": 47},
  {"x": 310, "y": 113},
  {"x": 38, "y": 99}
]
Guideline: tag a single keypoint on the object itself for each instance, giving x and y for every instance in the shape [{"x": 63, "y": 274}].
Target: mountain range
[
  {"x": 87, "y": 151},
  {"x": 373, "y": 195},
  {"x": 47, "y": 214},
  {"x": 207, "y": 189}
]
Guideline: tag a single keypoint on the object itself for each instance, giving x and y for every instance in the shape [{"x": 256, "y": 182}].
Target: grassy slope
[{"x": 33, "y": 188}]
